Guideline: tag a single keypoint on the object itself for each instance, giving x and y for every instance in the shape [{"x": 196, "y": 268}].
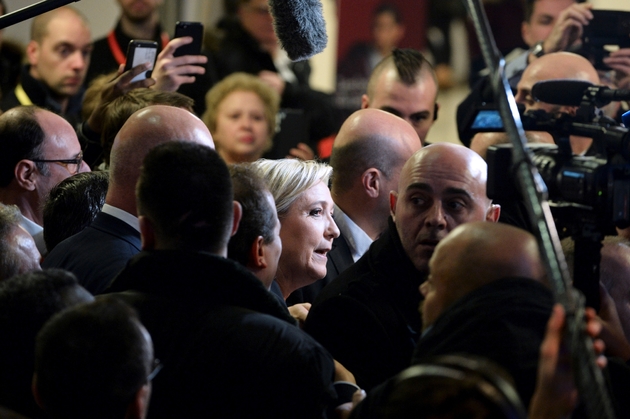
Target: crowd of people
[{"x": 156, "y": 262}]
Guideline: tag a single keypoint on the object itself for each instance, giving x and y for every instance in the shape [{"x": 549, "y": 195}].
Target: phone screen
[{"x": 140, "y": 52}]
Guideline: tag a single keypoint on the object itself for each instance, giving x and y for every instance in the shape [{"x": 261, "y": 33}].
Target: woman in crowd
[
  {"x": 305, "y": 207},
  {"x": 241, "y": 115}
]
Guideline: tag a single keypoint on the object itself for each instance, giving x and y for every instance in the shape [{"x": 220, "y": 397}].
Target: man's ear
[
  {"x": 393, "y": 198},
  {"x": 494, "y": 212},
  {"x": 25, "y": 173},
  {"x": 436, "y": 108},
  {"x": 257, "y": 257},
  {"x": 571, "y": 110},
  {"x": 147, "y": 233},
  {"x": 238, "y": 213},
  {"x": 365, "y": 102},
  {"x": 139, "y": 406},
  {"x": 35, "y": 391},
  {"x": 371, "y": 182},
  {"x": 32, "y": 52}
]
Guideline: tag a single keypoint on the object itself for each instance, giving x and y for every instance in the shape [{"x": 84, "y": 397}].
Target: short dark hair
[
  {"x": 26, "y": 302},
  {"x": 121, "y": 108},
  {"x": 258, "y": 217},
  {"x": 528, "y": 8},
  {"x": 390, "y": 9},
  {"x": 21, "y": 137},
  {"x": 72, "y": 205},
  {"x": 9, "y": 260},
  {"x": 352, "y": 159},
  {"x": 185, "y": 190},
  {"x": 409, "y": 64},
  {"x": 91, "y": 360},
  {"x": 451, "y": 386}
]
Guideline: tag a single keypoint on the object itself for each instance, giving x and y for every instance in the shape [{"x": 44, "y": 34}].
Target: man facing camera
[{"x": 368, "y": 317}]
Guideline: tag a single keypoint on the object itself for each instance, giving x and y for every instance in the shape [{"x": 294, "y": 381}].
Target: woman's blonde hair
[
  {"x": 242, "y": 82},
  {"x": 288, "y": 178}
]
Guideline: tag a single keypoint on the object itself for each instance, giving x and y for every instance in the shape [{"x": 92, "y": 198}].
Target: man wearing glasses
[{"x": 38, "y": 149}]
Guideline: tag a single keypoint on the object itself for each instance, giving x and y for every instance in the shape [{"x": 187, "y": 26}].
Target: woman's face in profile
[
  {"x": 307, "y": 232},
  {"x": 241, "y": 133}
]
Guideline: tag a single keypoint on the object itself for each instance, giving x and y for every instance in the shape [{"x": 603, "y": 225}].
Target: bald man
[
  {"x": 99, "y": 252},
  {"x": 368, "y": 317},
  {"x": 368, "y": 154},
  {"x": 559, "y": 65},
  {"x": 486, "y": 296}
]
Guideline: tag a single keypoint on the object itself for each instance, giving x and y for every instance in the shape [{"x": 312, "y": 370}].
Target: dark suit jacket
[
  {"x": 228, "y": 347},
  {"x": 98, "y": 253},
  {"x": 368, "y": 317},
  {"x": 339, "y": 259}
]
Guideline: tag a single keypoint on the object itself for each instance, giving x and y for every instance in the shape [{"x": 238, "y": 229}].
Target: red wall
[{"x": 355, "y": 18}]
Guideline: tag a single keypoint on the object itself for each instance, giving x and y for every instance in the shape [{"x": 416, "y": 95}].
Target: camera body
[{"x": 608, "y": 29}]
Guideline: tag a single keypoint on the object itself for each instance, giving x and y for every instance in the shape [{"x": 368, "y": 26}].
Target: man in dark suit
[
  {"x": 368, "y": 317},
  {"x": 100, "y": 251},
  {"x": 229, "y": 348},
  {"x": 368, "y": 154}
]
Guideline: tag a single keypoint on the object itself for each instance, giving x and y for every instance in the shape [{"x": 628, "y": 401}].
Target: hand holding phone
[
  {"x": 192, "y": 29},
  {"x": 139, "y": 52}
]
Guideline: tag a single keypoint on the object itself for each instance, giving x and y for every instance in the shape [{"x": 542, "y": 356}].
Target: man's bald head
[
  {"x": 144, "y": 130},
  {"x": 557, "y": 65},
  {"x": 441, "y": 186},
  {"x": 368, "y": 154},
  {"x": 39, "y": 26},
  {"x": 473, "y": 255},
  {"x": 371, "y": 138}
]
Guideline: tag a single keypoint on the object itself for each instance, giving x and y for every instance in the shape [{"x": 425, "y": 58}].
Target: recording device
[
  {"x": 609, "y": 29},
  {"x": 300, "y": 27},
  {"x": 486, "y": 117},
  {"x": 139, "y": 52},
  {"x": 192, "y": 29},
  {"x": 588, "y": 195}
]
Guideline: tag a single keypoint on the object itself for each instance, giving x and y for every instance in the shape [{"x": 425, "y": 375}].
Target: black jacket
[
  {"x": 228, "y": 347},
  {"x": 504, "y": 321},
  {"x": 368, "y": 316},
  {"x": 239, "y": 52},
  {"x": 40, "y": 95}
]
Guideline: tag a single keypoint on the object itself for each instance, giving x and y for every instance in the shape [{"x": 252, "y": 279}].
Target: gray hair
[
  {"x": 288, "y": 178},
  {"x": 9, "y": 260}
]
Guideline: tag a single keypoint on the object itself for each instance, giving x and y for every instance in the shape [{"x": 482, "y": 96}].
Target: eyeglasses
[
  {"x": 71, "y": 165},
  {"x": 157, "y": 367}
]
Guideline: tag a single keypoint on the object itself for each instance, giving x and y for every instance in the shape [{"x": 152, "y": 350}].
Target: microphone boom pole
[
  {"x": 31, "y": 11},
  {"x": 589, "y": 379}
]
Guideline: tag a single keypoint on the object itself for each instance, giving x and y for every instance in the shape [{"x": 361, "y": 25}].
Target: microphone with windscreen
[
  {"x": 300, "y": 27},
  {"x": 574, "y": 92}
]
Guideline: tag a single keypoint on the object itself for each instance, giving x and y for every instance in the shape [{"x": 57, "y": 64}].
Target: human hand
[
  {"x": 611, "y": 331},
  {"x": 273, "y": 80},
  {"x": 342, "y": 374},
  {"x": 299, "y": 312},
  {"x": 568, "y": 27},
  {"x": 170, "y": 72},
  {"x": 556, "y": 395},
  {"x": 620, "y": 62},
  {"x": 343, "y": 411},
  {"x": 120, "y": 85},
  {"x": 301, "y": 151}
]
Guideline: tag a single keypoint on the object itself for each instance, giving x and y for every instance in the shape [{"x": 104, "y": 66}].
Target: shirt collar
[
  {"x": 358, "y": 240},
  {"x": 130, "y": 219}
]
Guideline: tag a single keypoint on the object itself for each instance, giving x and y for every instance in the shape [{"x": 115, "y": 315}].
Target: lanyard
[
  {"x": 21, "y": 95},
  {"x": 117, "y": 52}
]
